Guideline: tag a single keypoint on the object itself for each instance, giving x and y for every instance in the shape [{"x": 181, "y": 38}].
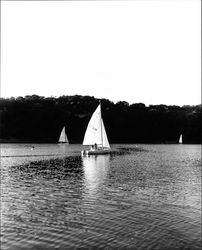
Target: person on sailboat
[{"x": 95, "y": 146}]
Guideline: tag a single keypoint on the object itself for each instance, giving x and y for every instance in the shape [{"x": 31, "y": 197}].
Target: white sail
[
  {"x": 63, "y": 136},
  {"x": 105, "y": 142},
  {"x": 95, "y": 132},
  {"x": 180, "y": 140}
]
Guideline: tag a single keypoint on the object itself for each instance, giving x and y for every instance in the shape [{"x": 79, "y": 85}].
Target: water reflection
[
  {"x": 149, "y": 199},
  {"x": 95, "y": 172},
  {"x": 63, "y": 148}
]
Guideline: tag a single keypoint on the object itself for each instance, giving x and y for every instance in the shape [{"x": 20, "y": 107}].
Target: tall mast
[{"x": 101, "y": 124}]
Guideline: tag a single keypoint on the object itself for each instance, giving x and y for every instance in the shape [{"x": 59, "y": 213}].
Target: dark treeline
[{"x": 39, "y": 119}]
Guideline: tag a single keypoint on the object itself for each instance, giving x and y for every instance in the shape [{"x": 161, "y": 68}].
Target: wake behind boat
[{"x": 95, "y": 135}]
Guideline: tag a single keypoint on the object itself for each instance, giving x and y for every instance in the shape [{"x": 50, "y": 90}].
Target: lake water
[{"x": 139, "y": 197}]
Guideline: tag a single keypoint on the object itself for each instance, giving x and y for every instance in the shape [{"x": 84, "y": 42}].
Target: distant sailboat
[
  {"x": 180, "y": 140},
  {"x": 63, "y": 136},
  {"x": 96, "y": 135}
]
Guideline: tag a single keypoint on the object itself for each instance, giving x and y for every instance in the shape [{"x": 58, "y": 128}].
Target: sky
[{"x": 136, "y": 51}]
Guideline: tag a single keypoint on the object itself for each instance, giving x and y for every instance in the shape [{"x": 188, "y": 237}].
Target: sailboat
[
  {"x": 95, "y": 135},
  {"x": 180, "y": 140},
  {"x": 63, "y": 136}
]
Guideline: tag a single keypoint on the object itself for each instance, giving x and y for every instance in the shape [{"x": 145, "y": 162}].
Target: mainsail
[
  {"x": 63, "y": 136},
  {"x": 95, "y": 132}
]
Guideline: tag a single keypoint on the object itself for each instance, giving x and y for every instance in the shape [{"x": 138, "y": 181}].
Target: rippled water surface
[{"x": 138, "y": 197}]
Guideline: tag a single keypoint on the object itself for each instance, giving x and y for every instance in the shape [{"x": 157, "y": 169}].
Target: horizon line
[{"x": 98, "y": 98}]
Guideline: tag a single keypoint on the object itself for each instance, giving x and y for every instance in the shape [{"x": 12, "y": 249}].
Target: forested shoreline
[{"x": 39, "y": 119}]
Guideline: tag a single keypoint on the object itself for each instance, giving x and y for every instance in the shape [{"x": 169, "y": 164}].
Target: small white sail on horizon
[
  {"x": 63, "y": 136},
  {"x": 180, "y": 140},
  {"x": 95, "y": 132}
]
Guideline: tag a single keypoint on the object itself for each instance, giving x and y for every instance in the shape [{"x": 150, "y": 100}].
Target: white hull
[{"x": 95, "y": 152}]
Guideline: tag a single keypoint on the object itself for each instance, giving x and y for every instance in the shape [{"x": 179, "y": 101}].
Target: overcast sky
[{"x": 137, "y": 51}]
